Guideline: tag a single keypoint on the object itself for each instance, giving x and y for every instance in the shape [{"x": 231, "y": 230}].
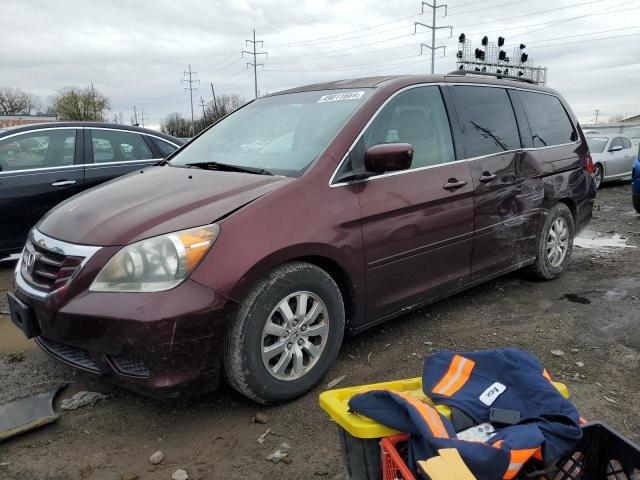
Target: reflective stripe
[
  {"x": 429, "y": 414},
  {"x": 519, "y": 458},
  {"x": 455, "y": 378},
  {"x": 546, "y": 375}
]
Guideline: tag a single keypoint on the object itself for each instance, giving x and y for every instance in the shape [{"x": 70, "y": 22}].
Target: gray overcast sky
[{"x": 135, "y": 52}]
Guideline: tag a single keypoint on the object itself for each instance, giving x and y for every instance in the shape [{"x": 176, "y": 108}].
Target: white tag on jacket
[{"x": 490, "y": 394}]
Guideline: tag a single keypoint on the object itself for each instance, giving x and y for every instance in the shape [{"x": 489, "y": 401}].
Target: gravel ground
[{"x": 213, "y": 436}]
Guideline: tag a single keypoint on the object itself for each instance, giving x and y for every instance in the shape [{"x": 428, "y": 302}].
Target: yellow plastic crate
[{"x": 336, "y": 404}]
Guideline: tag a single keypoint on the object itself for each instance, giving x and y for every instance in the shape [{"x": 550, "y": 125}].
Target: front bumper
[{"x": 162, "y": 344}]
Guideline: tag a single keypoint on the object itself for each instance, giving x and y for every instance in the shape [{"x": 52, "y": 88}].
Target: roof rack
[{"x": 491, "y": 74}]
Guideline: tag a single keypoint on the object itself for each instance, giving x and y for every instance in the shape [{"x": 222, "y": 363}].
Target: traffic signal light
[
  {"x": 523, "y": 58},
  {"x": 485, "y": 41},
  {"x": 502, "y": 55},
  {"x": 459, "y": 54},
  {"x": 522, "y": 46},
  {"x": 461, "y": 38},
  {"x": 500, "y": 41}
]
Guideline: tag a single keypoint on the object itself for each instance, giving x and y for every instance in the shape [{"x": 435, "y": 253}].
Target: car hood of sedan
[{"x": 152, "y": 202}]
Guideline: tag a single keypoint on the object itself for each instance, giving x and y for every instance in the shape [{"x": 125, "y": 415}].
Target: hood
[{"x": 158, "y": 200}]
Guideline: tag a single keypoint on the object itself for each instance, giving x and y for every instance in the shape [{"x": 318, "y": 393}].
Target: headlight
[{"x": 156, "y": 264}]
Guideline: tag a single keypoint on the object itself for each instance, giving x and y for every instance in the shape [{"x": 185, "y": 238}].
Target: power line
[
  {"x": 433, "y": 28},
  {"x": 191, "y": 88},
  {"x": 255, "y": 54}
]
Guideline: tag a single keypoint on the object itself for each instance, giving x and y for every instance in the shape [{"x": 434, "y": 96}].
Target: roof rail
[{"x": 491, "y": 74}]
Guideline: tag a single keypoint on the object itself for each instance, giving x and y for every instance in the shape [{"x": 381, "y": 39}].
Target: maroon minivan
[{"x": 306, "y": 214}]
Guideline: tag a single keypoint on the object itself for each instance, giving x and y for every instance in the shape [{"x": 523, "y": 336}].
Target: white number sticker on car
[{"x": 337, "y": 97}]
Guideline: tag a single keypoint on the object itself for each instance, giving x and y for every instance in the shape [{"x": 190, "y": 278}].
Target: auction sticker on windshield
[{"x": 337, "y": 97}]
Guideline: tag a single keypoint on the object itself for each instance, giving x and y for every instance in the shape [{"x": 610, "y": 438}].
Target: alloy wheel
[
  {"x": 557, "y": 242},
  {"x": 597, "y": 176},
  {"x": 294, "y": 336}
]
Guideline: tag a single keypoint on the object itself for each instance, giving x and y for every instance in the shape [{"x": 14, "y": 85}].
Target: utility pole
[
  {"x": 135, "y": 117},
  {"x": 190, "y": 81},
  {"x": 215, "y": 104},
  {"x": 204, "y": 113},
  {"x": 597, "y": 112},
  {"x": 433, "y": 28},
  {"x": 142, "y": 115},
  {"x": 255, "y": 63}
]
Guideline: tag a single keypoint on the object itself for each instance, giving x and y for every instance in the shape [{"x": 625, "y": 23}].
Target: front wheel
[
  {"x": 286, "y": 334},
  {"x": 555, "y": 243}
]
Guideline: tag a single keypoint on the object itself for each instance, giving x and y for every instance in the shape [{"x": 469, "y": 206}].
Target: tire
[
  {"x": 276, "y": 379},
  {"x": 547, "y": 265},
  {"x": 598, "y": 175},
  {"x": 636, "y": 202}
]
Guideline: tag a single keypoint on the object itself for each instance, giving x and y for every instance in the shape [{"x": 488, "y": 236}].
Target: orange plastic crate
[{"x": 394, "y": 453}]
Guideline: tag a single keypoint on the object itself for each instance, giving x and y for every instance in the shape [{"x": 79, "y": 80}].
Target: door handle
[
  {"x": 487, "y": 177},
  {"x": 63, "y": 183},
  {"x": 453, "y": 184}
]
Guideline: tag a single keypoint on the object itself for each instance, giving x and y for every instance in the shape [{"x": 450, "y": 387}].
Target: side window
[
  {"x": 416, "y": 116},
  {"x": 38, "y": 149},
  {"x": 548, "y": 120},
  {"x": 616, "y": 142},
  {"x": 165, "y": 148},
  {"x": 118, "y": 146},
  {"x": 489, "y": 124},
  {"x": 626, "y": 143}
]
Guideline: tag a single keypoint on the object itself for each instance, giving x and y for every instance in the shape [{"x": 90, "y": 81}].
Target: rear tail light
[{"x": 589, "y": 164}]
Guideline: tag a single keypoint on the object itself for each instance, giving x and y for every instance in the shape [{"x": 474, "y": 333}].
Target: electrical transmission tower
[
  {"x": 433, "y": 28},
  {"x": 255, "y": 63},
  {"x": 204, "y": 113},
  {"x": 190, "y": 81},
  {"x": 142, "y": 117}
]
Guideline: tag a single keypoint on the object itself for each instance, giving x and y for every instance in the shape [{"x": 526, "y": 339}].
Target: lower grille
[
  {"x": 130, "y": 366},
  {"x": 74, "y": 356}
]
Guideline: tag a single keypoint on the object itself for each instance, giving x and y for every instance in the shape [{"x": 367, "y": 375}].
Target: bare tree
[
  {"x": 14, "y": 101},
  {"x": 178, "y": 126},
  {"x": 74, "y": 103},
  {"x": 617, "y": 118}
]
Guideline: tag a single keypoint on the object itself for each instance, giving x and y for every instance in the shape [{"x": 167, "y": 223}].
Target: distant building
[
  {"x": 15, "y": 120},
  {"x": 634, "y": 119}
]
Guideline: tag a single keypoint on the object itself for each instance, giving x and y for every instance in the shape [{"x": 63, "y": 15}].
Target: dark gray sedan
[{"x": 44, "y": 164}]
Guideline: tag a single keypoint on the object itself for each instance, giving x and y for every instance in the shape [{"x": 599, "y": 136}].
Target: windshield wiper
[{"x": 229, "y": 168}]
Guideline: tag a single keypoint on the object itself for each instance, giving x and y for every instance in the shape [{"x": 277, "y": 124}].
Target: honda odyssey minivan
[{"x": 305, "y": 215}]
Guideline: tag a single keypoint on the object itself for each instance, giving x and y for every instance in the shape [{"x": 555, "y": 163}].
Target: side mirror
[
  {"x": 617, "y": 148},
  {"x": 388, "y": 157}
]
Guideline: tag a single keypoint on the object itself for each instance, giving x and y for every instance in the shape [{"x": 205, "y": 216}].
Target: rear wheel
[
  {"x": 598, "y": 175},
  {"x": 555, "y": 243},
  {"x": 286, "y": 335}
]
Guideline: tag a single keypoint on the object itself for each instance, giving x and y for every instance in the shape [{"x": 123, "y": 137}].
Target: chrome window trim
[
  {"x": 55, "y": 246},
  {"x": 469, "y": 159},
  {"x": 123, "y": 162},
  {"x": 39, "y": 130},
  {"x": 35, "y": 171}
]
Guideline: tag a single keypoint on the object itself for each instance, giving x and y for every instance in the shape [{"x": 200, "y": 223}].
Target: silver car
[{"x": 613, "y": 156}]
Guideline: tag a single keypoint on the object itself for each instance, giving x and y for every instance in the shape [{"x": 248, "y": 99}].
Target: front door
[
  {"x": 38, "y": 170},
  {"x": 417, "y": 224}
]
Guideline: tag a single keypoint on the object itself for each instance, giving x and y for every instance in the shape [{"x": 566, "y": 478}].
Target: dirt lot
[{"x": 213, "y": 436}]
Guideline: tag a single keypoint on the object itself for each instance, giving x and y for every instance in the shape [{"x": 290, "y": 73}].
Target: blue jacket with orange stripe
[{"x": 475, "y": 382}]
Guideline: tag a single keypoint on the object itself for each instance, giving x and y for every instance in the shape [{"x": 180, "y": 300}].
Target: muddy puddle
[
  {"x": 12, "y": 340},
  {"x": 595, "y": 241}
]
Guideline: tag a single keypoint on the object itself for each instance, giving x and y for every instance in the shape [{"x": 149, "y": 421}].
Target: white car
[{"x": 613, "y": 156}]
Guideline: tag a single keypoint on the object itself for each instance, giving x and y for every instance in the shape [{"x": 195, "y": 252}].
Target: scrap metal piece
[{"x": 27, "y": 413}]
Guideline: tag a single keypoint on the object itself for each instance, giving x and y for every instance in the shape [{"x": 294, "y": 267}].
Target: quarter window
[
  {"x": 38, "y": 149},
  {"x": 625, "y": 143},
  {"x": 416, "y": 116},
  {"x": 117, "y": 146},
  {"x": 548, "y": 120},
  {"x": 165, "y": 148},
  {"x": 488, "y": 122}
]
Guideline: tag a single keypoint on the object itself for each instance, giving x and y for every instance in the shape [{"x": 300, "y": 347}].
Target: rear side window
[
  {"x": 416, "y": 116},
  {"x": 165, "y": 148},
  {"x": 548, "y": 120},
  {"x": 488, "y": 122},
  {"x": 625, "y": 143},
  {"x": 616, "y": 142},
  {"x": 117, "y": 146}
]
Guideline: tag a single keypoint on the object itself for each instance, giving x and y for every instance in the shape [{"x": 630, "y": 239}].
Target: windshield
[
  {"x": 282, "y": 134},
  {"x": 596, "y": 145}
]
